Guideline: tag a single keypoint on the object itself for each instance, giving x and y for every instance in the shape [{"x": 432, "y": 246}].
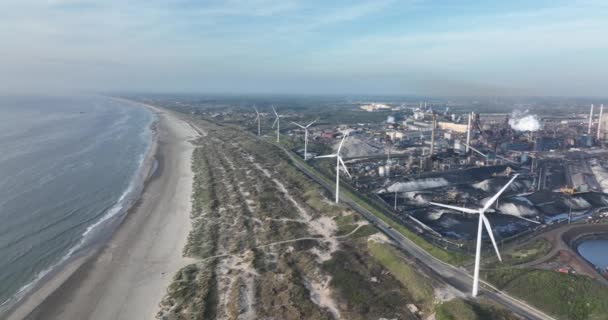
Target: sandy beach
[{"x": 127, "y": 277}]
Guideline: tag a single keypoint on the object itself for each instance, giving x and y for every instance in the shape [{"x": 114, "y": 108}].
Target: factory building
[
  {"x": 548, "y": 143},
  {"x": 375, "y": 107},
  {"x": 456, "y": 127}
]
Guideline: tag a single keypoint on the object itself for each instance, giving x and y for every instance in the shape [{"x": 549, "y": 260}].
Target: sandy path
[{"x": 129, "y": 277}]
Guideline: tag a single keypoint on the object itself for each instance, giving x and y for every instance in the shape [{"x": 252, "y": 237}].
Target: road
[{"x": 458, "y": 278}]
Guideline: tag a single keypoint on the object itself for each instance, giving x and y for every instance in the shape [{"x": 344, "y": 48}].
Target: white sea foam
[{"x": 124, "y": 202}]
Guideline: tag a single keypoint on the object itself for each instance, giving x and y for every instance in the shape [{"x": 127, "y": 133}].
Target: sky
[{"x": 443, "y": 47}]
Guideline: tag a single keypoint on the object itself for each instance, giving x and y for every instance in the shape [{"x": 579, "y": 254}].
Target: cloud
[{"x": 384, "y": 46}]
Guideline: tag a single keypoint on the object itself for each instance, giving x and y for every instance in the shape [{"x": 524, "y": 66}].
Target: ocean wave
[{"x": 146, "y": 165}]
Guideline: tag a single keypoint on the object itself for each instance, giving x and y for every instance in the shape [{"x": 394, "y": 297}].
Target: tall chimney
[
  {"x": 599, "y": 122},
  {"x": 590, "y": 120},
  {"x": 468, "y": 134},
  {"x": 433, "y": 134}
]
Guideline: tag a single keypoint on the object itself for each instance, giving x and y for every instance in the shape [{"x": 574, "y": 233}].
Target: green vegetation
[
  {"x": 364, "y": 286},
  {"x": 459, "y": 309},
  {"x": 454, "y": 258},
  {"x": 528, "y": 252},
  {"x": 566, "y": 296},
  {"x": 204, "y": 202},
  {"x": 416, "y": 283},
  {"x": 192, "y": 294}
]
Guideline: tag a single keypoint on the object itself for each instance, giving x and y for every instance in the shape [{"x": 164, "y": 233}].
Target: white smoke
[
  {"x": 524, "y": 121},
  {"x": 416, "y": 197}
]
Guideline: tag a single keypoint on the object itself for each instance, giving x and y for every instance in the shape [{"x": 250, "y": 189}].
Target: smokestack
[
  {"x": 468, "y": 134},
  {"x": 599, "y": 122},
  {"x": 590, "y": 120},
  {"x": 433, "y": 134}
]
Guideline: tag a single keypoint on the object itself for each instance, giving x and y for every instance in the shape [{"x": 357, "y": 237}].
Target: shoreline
[
  {"x": 72, "y": 291},
  {"x": 41, "y": 287}
]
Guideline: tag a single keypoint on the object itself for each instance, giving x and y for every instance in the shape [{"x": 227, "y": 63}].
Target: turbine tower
[
  {"x": 277, "y": 121},
  {"x": 482, "y": 221},
  {"x": 305, "y": 136},
  {"x": 257, "y": 118},
  {"x": 339, "y": 164}
]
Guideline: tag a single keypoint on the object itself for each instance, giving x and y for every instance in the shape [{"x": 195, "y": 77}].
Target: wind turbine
[
  {"x": 257, "y": 118},
  {"x": 482, "y": 221},
  {"x": 277, "y": 121},
  {"x": 305, "y": 136},
  {"x": 486, "y": 156},
  {"x": 339, "y": 164}
]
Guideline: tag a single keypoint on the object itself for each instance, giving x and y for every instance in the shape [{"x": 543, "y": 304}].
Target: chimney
[
  {"x": 590, "y": 120},
  {"x": 599, "y": 122},
  {"x": 468, "y": 134},
  {"x": 433, "y": 134}
]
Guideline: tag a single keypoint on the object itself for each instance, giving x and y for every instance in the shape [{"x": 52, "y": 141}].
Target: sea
[{"x": 70, "y": 168}]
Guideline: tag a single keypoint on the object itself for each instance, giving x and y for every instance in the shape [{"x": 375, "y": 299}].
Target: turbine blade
[
  {"x": 495, "y": 197},
  {"x": 530, "y": 220},
  {"x": 327, "y": 156},
  {"x": 256, "y": 110},
  {"x": 344, "y": 166},
  {"x": 461, "y": 209},
  {"x": 299, "y": 125},
  {"x": 486, "y": 222},
  {"x": 275, "y": 122},
  {"x": 341, "y": 142},
  {"x": 275, "y": 111},
  {"x": 310, "y": 124}
]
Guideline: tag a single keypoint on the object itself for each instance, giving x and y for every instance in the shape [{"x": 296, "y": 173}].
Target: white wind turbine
[
  {"x": 486, "y": 156},
  {"x": 482, "y": 221},
  {"x": 257, "y": 118},
  {"x": 339, "y": 164},
  {"x": 305, "y": 136},
  {"x": 277, "y": 121}
]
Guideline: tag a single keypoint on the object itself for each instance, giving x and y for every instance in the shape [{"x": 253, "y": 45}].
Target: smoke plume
[{"x": 524, "y": 121}]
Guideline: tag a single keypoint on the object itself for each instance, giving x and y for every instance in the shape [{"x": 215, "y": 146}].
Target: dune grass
[
  {"x": 458, "y": 309},
  {"x": 419, "y": 286},
  {"x": 565, "y": 296}
]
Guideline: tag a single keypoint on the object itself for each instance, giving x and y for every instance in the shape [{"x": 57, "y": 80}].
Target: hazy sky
[{"x": 447, "y": 47}]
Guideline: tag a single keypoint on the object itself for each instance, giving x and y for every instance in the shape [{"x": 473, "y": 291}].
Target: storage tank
[{"x": 381, "y": 171}]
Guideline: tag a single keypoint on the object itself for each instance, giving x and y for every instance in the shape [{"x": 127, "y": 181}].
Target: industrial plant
[{"x": 422, "y": 155}]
